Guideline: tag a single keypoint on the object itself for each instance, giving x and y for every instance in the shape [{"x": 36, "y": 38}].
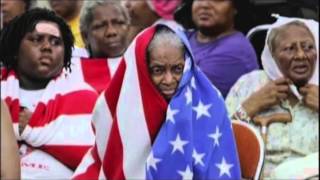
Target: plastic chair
[{"x": 250, "y": 149}]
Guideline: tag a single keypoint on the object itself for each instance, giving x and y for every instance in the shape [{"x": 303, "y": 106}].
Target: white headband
[{"x": 48, "y": 28}]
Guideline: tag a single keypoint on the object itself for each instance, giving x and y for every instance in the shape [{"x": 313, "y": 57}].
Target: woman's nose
[
  {"x": 45, "y": 45},
  {"x": 202, "y": 3},
  {"x": 300, "y": 53},
  {"x": 168, "y": 78},
  {"x": 110, "y": 31}
]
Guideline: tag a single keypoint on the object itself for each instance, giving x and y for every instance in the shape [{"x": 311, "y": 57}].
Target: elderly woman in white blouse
[{"x": 289, "y": 83}]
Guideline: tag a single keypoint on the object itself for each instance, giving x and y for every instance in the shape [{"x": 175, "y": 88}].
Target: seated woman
[
  {"x": 51, "y": 112},
  {"x": 289, "y": 83},
  {"x": 10, "y": 161},
  {"x": 160, "y": 118},
  {"x": 104, "y": 28},
  {"x": 221, "y": 52}
]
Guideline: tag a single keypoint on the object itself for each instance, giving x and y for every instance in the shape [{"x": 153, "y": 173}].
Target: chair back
[
  {"x": 250, "y": 149},
  {"x": 257, "y": 36}
]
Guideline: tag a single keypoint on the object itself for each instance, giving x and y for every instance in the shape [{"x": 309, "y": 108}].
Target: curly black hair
[{"x": 14, "y": 32}]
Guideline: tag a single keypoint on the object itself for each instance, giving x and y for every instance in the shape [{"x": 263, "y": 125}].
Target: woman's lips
[
  {"x": 204, "y": 16},
  {"x": 300, "y": 69},
  {"x": 46, "y": 61},
  {"x": 168, "y": 92},
  {"x": 113, "y": 44}
]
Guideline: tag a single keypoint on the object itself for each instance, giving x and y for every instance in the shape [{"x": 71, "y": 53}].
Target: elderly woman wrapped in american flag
[{"x": 160, "y": 118}]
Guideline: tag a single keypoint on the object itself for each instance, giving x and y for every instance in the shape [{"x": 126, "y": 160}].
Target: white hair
[
  {"x": 165, "y": 36},
  {"x": 86, "y": 16}
]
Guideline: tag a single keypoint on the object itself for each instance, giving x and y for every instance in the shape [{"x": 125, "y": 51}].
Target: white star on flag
[
  {"x": 224, "y": 168},
  {"x": 178, "y": 144},
  {"x": 193, "y": 83},
  {"x": 215, "y": 136},
  {"x": 152, "y": 161},
  {"x": 187, "y": 174},
  {"x": 202, "y": 110},
  {"x": 171, "y": 113},
  {"x": 197, "y": 157},
  {"x": 188, "y": 95}
]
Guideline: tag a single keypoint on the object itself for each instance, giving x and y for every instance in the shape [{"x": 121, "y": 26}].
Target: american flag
[{"x": 140, "y": 136}]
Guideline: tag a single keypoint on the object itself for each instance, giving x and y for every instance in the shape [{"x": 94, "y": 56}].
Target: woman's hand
[
  {"x": 310, "y": 93},
  {"x": 269, "y": 95},
  {"x": 24, "y": 117}
]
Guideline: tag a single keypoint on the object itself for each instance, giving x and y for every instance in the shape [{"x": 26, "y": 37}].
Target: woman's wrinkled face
[
  {"x": 295, "y": 53},
  {"x": 166, "y": 64},
  {"x": 41, "y": 52},
  {"x": 212, "y": 13},
  {"x": 108, "y": 32}
]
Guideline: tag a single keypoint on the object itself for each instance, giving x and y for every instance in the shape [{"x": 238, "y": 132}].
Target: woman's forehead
[
  {"x": 292, "y": 29},
  {"x": 293, "y": 32},
  {"x": 45, "y": 27}
]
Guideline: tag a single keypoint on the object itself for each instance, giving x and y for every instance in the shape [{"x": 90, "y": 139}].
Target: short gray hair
[
  {"x": 167, "y": 37},
  {"x": 274, "y": 33},
  {"x": 86, "y": 16}
]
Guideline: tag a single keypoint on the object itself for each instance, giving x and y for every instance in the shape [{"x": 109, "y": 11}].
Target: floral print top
[{"x": 284, "y": 141}]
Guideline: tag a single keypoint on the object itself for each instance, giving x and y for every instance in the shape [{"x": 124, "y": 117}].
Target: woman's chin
[
  {"x": 167, "y": 97},
  {"x": 300, "y": 82},
  {"x": 300, "y": 78}
]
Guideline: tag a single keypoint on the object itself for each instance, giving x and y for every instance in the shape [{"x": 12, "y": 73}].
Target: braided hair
[{"x": 14, "y": 32}]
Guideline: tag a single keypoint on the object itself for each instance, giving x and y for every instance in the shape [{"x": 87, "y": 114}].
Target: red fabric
[
  {"x": 154, "y": 109},
  {"x": 114, "y": 151},
  {"x": 67, "y": 107},
  {"x": 96, "y": 73},
  {"x": 93, "y": 169},
  {"x": 63, "y": 104},
  {"x": 69, "y": 155},
  {"x": 114, "y": 154},
  {"x": 113, "y": 161},
  {"x": 154, "y": 105},
  {"x": 115, "y": 87}
]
